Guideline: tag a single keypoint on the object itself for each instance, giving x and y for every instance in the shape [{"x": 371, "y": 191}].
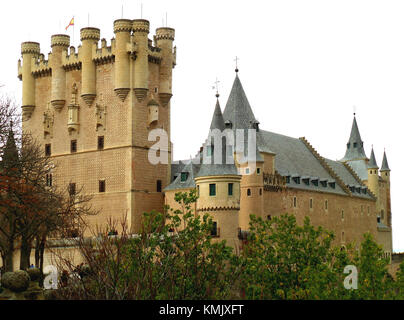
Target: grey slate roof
[
  {"x": 354, "y": 149},
  {"x": 348, "y": 178},
  {"x": 372, "y": 161},
  {"x": 188, "y": 168},
  {"x": 238, "y": 109},
  {"x": 360, "y": 167},
  {"x": 217, "y": 119},
  {"x": 293, "y": 158},
  {"x": 385, "y": 164},
  {"x": 210, "y": 167}
]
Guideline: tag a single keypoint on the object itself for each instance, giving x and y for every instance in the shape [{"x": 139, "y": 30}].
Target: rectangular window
[
  {"x": 215, "y": 231},
  {"x": 158, "y": 187},
  {"x": 294, "y": 202},
  {"x": 230, "y": 189},
  {"x": 247, "y": 170},
  {"x": 48, "y": 150},
  {"x": 311, "y": 203},
  {"x": 249, "y": 192},
  {"x": 258, "y": 171},
  {"x": 197, "y": 190},
  {"x": 73, "y": 146},
  {"x": 100, "y": 144},
  {"x": 212, "y": 189},
  {"x": 326, "y": 204},
  {"x": 101, "y": 186},
  {"x": 72, "y": 189}
]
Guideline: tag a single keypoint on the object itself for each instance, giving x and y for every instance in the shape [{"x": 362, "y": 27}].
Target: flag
[{"x": 71, "y": 23}]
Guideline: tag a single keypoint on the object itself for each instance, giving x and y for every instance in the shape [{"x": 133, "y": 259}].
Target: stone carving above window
[
  {"x": 74, "y": 108},
  {"x": 48, "y": 120},
  {"x": 100, "y": 113}
]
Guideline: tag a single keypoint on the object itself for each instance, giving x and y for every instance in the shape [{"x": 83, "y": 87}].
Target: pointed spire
[
  {"x": 217, "y": 119},
  {"x": 10, "y": 155},
  {"x": 385, "y": 164},
  {"x": 238, "y": 110},
  {"x": 354, "y": 149},
  {"x": 372, "y": 161}
]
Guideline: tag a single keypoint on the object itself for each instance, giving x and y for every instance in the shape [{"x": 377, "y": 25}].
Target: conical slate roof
[
  {"x": 238, "y": 109},
  {"x": 372, "y": 161},
  {"x": 354, "y": 149},
  {"x": 209, "y": 166},
  {"x": 385, "y": 164},
  {"x": 217, "y": 119}
]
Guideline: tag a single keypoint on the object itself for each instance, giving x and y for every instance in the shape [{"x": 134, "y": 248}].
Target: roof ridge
[
  {"x": 330, "y": 171},
  {"x": 353, "y": 173},
  {"x": 357, "y": 178}
]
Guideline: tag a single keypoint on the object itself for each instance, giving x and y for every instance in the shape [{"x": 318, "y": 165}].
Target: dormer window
[
  {"x": 296, "y": 180},
  {"x": 184, "y": 176},
  {"x": 355, "y": 144},
  {"x": 314, "y": 181},
  {"x": 358, "y": 189},
  {"x": 306, "y": 180},
  {"x": 287, "y": 179},
  {"x": 255, "y": 125},
  {"x": 332, "y": 185},
  {"x": 323, "y": 183},
  {"x": 228, "y": 124},
  {"x": 348, "y": 145}
]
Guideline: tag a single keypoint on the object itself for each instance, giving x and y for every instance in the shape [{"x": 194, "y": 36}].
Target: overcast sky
[{"x": 303, "y": 65}]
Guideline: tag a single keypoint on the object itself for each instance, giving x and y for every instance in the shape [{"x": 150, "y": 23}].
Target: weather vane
[
  {"x": 216, "y": 86},
  {"x": 237, "y": 59},
  {"x": 354, "y": 110}
]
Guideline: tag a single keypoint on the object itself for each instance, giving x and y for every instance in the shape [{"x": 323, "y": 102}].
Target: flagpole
[{"x": 73, "y": 30}]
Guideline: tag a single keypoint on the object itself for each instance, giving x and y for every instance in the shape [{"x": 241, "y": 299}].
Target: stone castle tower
[{"x": 93, "y": 109}]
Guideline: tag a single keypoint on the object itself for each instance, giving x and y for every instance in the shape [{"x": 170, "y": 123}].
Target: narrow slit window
[
  {"x": 230, "y": 189},
  {"x": 101, "y": 186},
  {"x": 73, "y": 146},
  {"x": 100, "y": 142}
]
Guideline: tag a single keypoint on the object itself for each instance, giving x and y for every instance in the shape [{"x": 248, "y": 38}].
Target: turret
[
  {"x": 218, "y": 185},
  {"x": 122, "y": 30},
  {"x": 373, "y": 175},
  {"x": 385, "y": 169},
  {"x": 354, "y": 148},
  {"x": 89, "y": 38},
  {"x": 164, "y": 40},
  {"x": 59, "y": 44},
  {"x": 30, "y": 51},
  {"x": 140, "y": 36}
]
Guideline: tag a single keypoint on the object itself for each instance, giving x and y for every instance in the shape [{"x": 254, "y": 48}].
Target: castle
[{"x": 93, "y": 111}]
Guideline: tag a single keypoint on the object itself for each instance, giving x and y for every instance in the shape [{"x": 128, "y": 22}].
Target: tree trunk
[
  {"x": 25, "y": 253},
  {"x": 8, "y": 257},
  {"x": 41, "y": 253},
  {"x": 37, "y": 252}
]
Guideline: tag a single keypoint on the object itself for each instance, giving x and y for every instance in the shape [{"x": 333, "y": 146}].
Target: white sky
[{"x": 303, "y": 65}]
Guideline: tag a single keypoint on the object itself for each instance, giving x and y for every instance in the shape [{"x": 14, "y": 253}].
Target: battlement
[
  {"x": 61, "y": 40},
  {"x": 165, "y": 33},
  {"x": 30, "y": 47},
  {"x": 89, "y": 33},
  {"x": 131, "y": 45}
]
